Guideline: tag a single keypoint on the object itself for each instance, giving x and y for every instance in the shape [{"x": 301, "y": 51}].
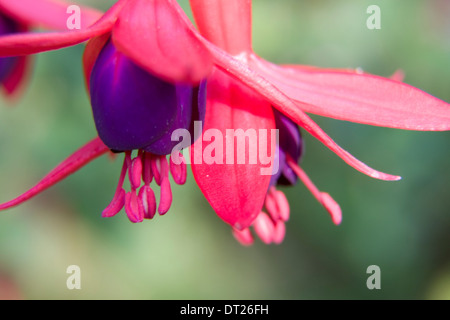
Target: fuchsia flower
[
  {"x": 21, "y": 16},
  {"x": 146, "y": 66}
]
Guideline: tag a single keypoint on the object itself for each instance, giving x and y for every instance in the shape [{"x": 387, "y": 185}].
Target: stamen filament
[
  {"x": 118, "y": 200},
  {"x": 147, "y": 174},
  {"x": 324, "y": 198}
]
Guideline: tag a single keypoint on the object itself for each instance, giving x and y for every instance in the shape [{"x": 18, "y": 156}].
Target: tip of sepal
[{"x": 333, "y": 208}]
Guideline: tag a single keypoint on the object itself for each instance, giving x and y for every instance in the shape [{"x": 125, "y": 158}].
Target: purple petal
[
  {"x": 291, "y": 143},
  {"x": 7, "y": 26},
  {"x": 191, "y": 108},
  {"x": 132, "y": 108}
]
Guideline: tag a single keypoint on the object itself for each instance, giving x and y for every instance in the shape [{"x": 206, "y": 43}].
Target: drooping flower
[
  {"x": 134, "y": 110},
  {"x": 340, "y": 94},
  {"x": 243, "y": 89},
  {"x": 136, "y": 104},
  {"x": 21, "y": 16}
]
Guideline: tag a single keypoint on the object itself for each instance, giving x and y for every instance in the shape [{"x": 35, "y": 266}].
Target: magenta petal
[
  {"x": 30, "y": 43},
  {"x": 48, "y": 13},
  {"x": 235, "y": 189},
  {"x": 81, "y": 157},
  {"x": 158, "y": 37},
  {"x": 357, "y": 97}
]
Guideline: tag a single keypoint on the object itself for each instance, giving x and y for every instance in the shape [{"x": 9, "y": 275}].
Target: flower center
[{"x": 140, "y": 201}]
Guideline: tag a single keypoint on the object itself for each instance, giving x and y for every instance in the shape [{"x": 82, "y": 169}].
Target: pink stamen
[
  {"x": 135, "y": 172},
  {"x": 165, "y": 200},
  {"x": 271, "y": 206},
  {"x": 324, "y": 198},
  {"x": 243, "y": 236},
  {"x": 279, "y": 232},
  {"x": 264, "y": 228},
  {"x": 143, "y": 205},
  {"x": 148, "y": 200},
  {"x": 115, "y": 205},
  {"x": 133, "y": 207},
  {"x": 282, "y": 205},
  {"x": 128, "y": 158},
  {"x": 147, "y": 174},
  {"x": 118, "y": 200},
  {"x": 160, "y": 168},
  {"x": 333, "y": 208},
  {"x": 178, "y": 171},
  {"x": 277, "y": 205}
]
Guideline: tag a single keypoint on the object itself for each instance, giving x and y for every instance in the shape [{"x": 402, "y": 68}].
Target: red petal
[
  {"x": 30, "y": 43},
  {"x": 235, "y": 191},
  {"x": 280, "y": 101},
  {"x": 84, "y": 155},
  {"x": 159, "y": 37},
  {"x": 361, "y": 98},
  {"x": 226, "y": 23},
  {"x": 48, "y": 13},
  {"x": 16, "y": 80}
]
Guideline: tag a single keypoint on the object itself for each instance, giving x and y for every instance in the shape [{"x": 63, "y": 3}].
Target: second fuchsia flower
[
  {"x": 21, "y": 16},
  {"x": 146, "y": 66}
]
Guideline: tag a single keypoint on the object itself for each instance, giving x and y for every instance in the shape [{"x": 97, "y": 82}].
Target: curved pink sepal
[
  {"x": 357, "y": 97},
  {"x": 279, "y": 100},
  {"x": 30, "y": 43},
  {"x": 84, "y": 155},
  {"x": 226, "y": 23},
  {"x": 51, "y": 14},
  {"x": 159, "y": 37},
  {"x": 232, "y": 183}
]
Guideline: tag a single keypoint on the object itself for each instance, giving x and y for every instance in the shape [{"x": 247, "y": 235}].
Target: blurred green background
[{"x": 403, "y": 227}]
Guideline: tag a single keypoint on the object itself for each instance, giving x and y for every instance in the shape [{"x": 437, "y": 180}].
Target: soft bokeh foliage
[{"x": 190, "y": 254}]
